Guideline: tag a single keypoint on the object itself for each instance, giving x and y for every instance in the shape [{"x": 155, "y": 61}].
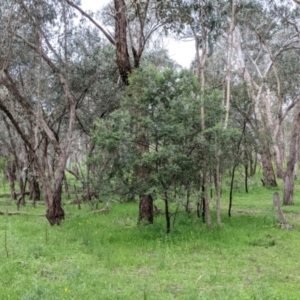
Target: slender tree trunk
[
  {"x": 231, "y": 191},
  {"x": 206, "y": 203},
  {"x": 188, "y": 196},
  {"x": 34, "y": 190},
  {"x": 253, "y": 164},
  {"x": 246, "y": 165},
  {"x": 218, "y": 190},
  {"x": 167, "y": 213},
  {"x": 229, "y": 59},
  {"x": 66, "y": 185},
  {"x": 22, "y": 184},
  {"x": 11, "y": 176}
]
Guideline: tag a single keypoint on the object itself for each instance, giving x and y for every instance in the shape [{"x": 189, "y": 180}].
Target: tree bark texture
[
  {"x": 146, "y": 209},
  {"x": 55, "y": 214},
  {"x": 268, "y": 170},
  {"x": 123, "y": 61},
  {"x": 293, "y": 155}
]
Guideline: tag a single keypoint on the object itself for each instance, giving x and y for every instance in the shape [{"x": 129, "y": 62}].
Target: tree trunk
[
  {"x": 167, "y": 214},
  {"x": 218, "y": 191},
  {"x": 229, "y": 62},
  {"x": 11, "y": 176},
  {"x": 206, "y": 202},
  {"x": 231, "y": 190},
  {"x": 34, "y": 190},
  {"x": 188, "y": 196},
  {"x": 55, "y": 214},
  {"x": 123, "y": 61},
  {"x": 146, "y": 209},
  {"x": 22, "y": 184},
  {"x": 293, "y": 156},
  {"x": 288, "y": 187},
  {"x": 296, "y": 168},
  {"x": 253, "y": 164},
  {"x": 66, "y": 185},
  {"x": 268, "y": 170}
]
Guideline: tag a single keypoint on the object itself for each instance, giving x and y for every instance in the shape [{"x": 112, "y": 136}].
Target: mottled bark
[
  {"x": 268, "y": 170},
  {"x": 293, "y": 155},
  {"x": 55, "y": 214},
  {"x": 123, "y": 61}
]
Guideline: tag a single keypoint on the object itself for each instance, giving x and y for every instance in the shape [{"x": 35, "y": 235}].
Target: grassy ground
[{"x": 109, "y": 257}]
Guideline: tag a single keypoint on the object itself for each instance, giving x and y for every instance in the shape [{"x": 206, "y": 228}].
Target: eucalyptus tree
[
  {"x": 29, "y": 91},
  {"x": 94, "y": 78},
  {"x": 169, "y": 104},
  {"x": 134, "y": 24},
  {"x": 267, "y": 39},
  {"x": 45, "y": 101},
  {"x": 203, "y": 21}
]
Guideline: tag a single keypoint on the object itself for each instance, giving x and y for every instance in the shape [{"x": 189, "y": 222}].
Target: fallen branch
[
  {"x": 103, "y": 210},
  {"x": 14, "y": 213}
]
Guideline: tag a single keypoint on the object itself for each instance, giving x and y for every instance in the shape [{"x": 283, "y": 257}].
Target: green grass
[{"x": 109, "y": 257}]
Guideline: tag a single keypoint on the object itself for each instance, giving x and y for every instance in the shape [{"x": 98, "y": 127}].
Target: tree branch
[
  {"x": 107, "y": 35},
  {"x": 15, "y": 123}
]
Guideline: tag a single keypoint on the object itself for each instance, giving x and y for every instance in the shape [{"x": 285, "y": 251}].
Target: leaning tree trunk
[{"x": 293, "y": 156}]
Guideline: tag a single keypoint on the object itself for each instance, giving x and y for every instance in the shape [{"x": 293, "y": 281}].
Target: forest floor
[{"x": 107, "y": 256}]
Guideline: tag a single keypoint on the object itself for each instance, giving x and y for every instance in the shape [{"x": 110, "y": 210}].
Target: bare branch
[
  {"x": 272, "y": 57},
  {"x": 107, "y": 35},
  {"x": 15, "y": 123}
]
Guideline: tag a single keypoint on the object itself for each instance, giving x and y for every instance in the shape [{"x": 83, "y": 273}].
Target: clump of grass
[{"x": 267, "y": 241}]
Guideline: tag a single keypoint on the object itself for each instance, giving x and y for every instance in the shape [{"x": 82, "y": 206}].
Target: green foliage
[{"x": 160, "y": 112}]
